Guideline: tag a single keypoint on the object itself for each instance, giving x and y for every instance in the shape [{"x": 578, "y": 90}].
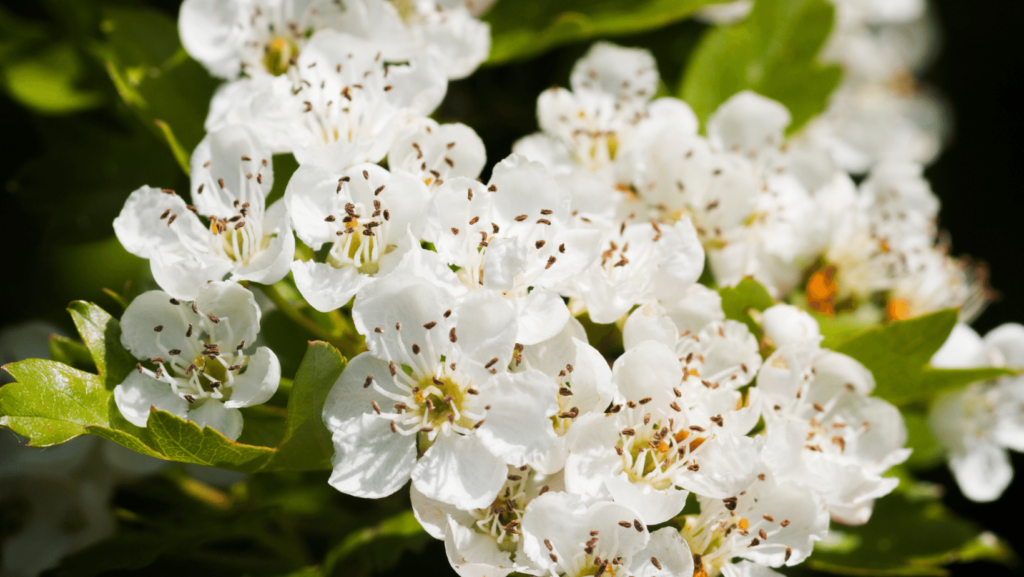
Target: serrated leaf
[
  {"x": 102, "y": 335},
  {"x": 51, "y": 403},
  {"x": 373, "y": 549},
  {"x": 772, "y": 52},
  {"x": 739, "y": 300},
  {"x": 307, "y": 443},
  {"x": 897, "y": 354},
  {"x": 522, "y": 30},
  {"x": 910, "y": 533},
  {"x": 185, "y": 441},
  {"x": 123, "y": 438}
]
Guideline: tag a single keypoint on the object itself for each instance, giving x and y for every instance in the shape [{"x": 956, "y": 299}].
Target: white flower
[
  {"x": 436, "y": 152},
  {"x": 824, "y": 431},
  {"x": 786, "y": 324},
  {"x": 640, "y": 263},
  {"x": 265, "y": 37},
  {"x": 513, "y": 234},
  {"x": 979, "y": 423},
  {"x": 231, "y": 176},
  {"x": 487, "y": 540},
  {"x": 656, "y": 444},
  {"x": 567, "y": 538},
  {"x": 195, "y": 378},
  {"x": 435, "y": 383},
  {"x": 937, "y": 281},
  {"x": 584, "y": 385},
  {"x": 367, "y": 216},
  {"x": 341, "y": 105},
  {"x": 771, "y": 523}
]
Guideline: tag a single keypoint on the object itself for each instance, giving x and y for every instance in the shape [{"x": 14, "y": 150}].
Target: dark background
[{"x": 977, "y": 178}]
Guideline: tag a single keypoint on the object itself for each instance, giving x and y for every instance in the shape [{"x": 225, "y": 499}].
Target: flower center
[
  {"x": 652, "y": 450},
  {"x": 279, "y": 54}
]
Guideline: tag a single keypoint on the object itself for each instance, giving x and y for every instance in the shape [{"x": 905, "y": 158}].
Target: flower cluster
[{"x": 527, "y": 449}]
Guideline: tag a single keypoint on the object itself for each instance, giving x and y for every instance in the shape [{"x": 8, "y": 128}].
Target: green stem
[{"x": 302, "y": 320}]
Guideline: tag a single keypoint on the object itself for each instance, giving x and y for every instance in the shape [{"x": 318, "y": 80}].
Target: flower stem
[{"x": 302, "y": 320}]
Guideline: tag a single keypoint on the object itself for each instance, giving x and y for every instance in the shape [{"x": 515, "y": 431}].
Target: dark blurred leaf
[
  {"x": 102, "y": 335},
  {"x": 284, "y": 166},
  {"x": 524, "y": 29},
  {"x": 71, "y": 353},
  {"x": 897, "y": 355},
  {"x": 49, "y": 81},
  {"x": 376, "y": 548},
  {"x": 154, "y": 76},
  {"x": 910, "y": 533},
  {"x": 307, "y": 443},
  {"x": 737, "y": 302},
  {"x": 772, "y": 52},
  {"x": 51, "y": 403},
  {"x": 18, "y": 34}
]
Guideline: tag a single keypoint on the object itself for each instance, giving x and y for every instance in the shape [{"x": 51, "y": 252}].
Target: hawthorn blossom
[
  {"x": 514, "y": 236},
  {"x": 341, "y": 105},
  {"x": 245, "y": 239},
  {"x": 194, "y": 377},
  {"x": 487, "y": 540},
  {"x": 367, "y": 216},
  {"x": 567, "y": 537},
  {"x": 266, "y": 37},
  {"x": 771, "y": 523},
  {"x": 436, "y": 152},
  {"x": 825, "y": 432},
  {"x": 662, "y": 438},
  {"x": 978, "y": 423},
  {"x": 433, "y": 398}
]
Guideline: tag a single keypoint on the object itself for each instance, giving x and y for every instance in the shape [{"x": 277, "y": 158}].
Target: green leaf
[
  {"x": 897, "y": 354},
  {"x": 307, "y": 443},
  {"x": 772, "y": 52},
  {"x": 123, "y": 438},
  {"x": 51, "y": 403},
  {"x": 927, "y": 450},
  {"x": 49, "y": 81},
  {"x": 185, "y": 441},
  {"x": 102, "y": 335},
  {"x": 738, "y": 301},
  {"x": 521, "y": 30},
  {"x": 377, "y": 548},
  {"x": 910, "y": 533},
  {"x": 155, "y": 76},
  {"x": 71, "y": 353}
]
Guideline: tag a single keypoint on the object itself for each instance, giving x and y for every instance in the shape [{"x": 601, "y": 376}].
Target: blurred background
[{"x": 73, "y": 151}]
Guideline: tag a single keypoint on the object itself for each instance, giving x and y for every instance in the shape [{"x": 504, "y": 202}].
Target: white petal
[
  {"x": 236, "y": 309},
  {"x": 699, "y": 307},
  {"x": 218, "y": 164},
  {"x": 541, "y": 315},
  {"x": 649, "y": 323},
  {"x": 349, "y": 398},
  {"x": 433, "y": 515},
  {"x": 748, "y": 123},
  {"x": 728, "y": 464},
  {"x": 963, "y": 349},
  {"x": 213, "y": 414},
  {"x": 652, "y": 505},
  {"x": 592, "y": 456},
  {"x": 141, "y": 230},
  {"x": 671, "y": 551},
  {"x": 486, "y": 330},
  {"x": 629, "y": 73},
  {"x": 148, "y": 311},
  {"x": 786, "y": 324},
  {"x": 205, "y": 30},
  {"x": 271, "y": 263},
  {"x": 184, "y": 275},
  {"x": 649, "y": 370},
  {"x": 369, "y": 460},
  {"x": 983, "y": 473},
  {"x": 1008, "y": 340},
  {"x": 473, "y": 554},
  {"x": 325, "y": 287},
  {"x": 504, "y": 260},
  {"x": 460, "y": 471},
  {"x": 518, "y": 426},
  {"x": 139, "y": 392},
  {"x": 259, "y": 381}
]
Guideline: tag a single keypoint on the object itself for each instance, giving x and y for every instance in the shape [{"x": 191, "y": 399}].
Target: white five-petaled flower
[
  {"x": 202, "y": 372},
  {"x": 771, "y": 523},
  {"x": 433, "y": 398},
  {"x": 231, "y": 176},
  {"x": 824, "y": 431},
  {"x": 342, "y": 104},
  {"x": 436, "y": 152},
  {"x": 514, "y": 236},
  {"x": 369, "y": 217},
  {"x": 656, "y": 444},
  {"x": 977, "y": 424},
  {"x": 487, "y": 540},
  {"x": 565, "y": 536}
]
